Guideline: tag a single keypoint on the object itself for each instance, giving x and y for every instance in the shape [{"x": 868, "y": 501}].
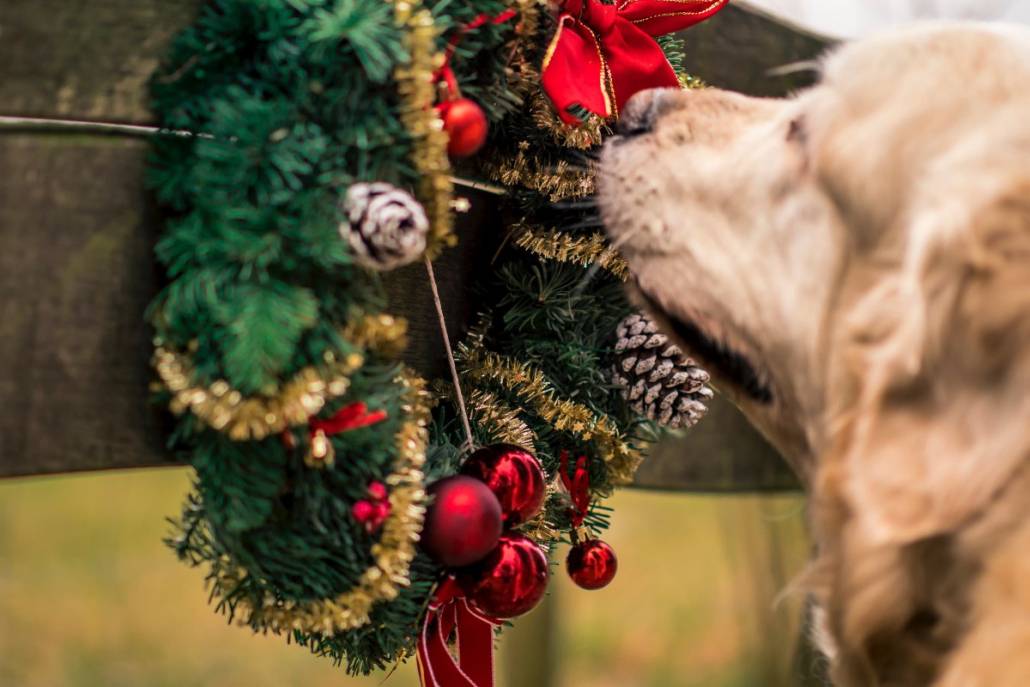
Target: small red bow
[
  {"x": 320, "y": 449},
  {"x": 602, "y": 54},
  {"x": 578, "y": 486},
  {"x": 449, "y": 612}
]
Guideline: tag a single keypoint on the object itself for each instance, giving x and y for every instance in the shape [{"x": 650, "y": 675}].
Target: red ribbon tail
[
  {"x": 574, "y": 71},
  {"x": 474, "y": 638},
  {"x": 349, "y": 417}
]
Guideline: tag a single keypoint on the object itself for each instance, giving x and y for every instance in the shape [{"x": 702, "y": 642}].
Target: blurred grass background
[{"x": 89, "y": 597}]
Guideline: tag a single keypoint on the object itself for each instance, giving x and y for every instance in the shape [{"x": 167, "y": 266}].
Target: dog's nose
[{"x": 643, "y": 110}]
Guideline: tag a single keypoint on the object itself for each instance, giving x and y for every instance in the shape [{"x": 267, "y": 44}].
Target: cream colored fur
[{"x": 866, "y": 245}]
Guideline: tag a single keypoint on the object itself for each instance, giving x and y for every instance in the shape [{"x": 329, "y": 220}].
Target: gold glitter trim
[
  {"x": 499, "y": 421},
  {"x": 589, "y": 133},
  {"x": 418, "y": 94},
  {"x": 252, "y": 418},
  {"x": 393, "y": 553},
  {"x": 532, "y": 387},
  {"x": 557, "y": 180},
  {"x": 584, "y": 249}
]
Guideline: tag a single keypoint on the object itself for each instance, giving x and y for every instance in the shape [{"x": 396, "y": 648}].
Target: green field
[{"x": 89, "y": 597}]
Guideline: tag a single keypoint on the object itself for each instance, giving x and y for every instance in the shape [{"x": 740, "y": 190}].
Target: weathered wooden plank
[
  {"x": 76, "y": 270},
  {"x": 77, "y": 232},
  {"x": 76, "y": 273},
  {"x": 87, "y": 59}
]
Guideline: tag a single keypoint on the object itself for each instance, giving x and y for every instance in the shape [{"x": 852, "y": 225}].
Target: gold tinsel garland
[
  {"x": 558, "y": 180},
  {"x": 252, "y": 418},
  {"x": 498, "y": 421},
  {"x": 501, "y": 422},
  {"x": 588, "y": 134},
  {"x": 255, "y": 417},
  {"x": 392, "y": 553},
  {"x": 580, "y": 249},
  {"x": 418, "y": 94},
  {"x": 531, "y": 386}
]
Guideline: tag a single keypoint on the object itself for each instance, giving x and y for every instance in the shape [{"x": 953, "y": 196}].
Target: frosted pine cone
[
  {"x": 654, "y": 376},
  {"x": 384, "y": 226}
]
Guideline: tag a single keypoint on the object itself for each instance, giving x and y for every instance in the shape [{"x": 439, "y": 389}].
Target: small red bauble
[
  {"x": 591, "y": 564},
  {"x": 466, "y": 126},
  {"x": 463, "y": 523},
  {"x": 508, "y": 582},
  {"x": 514, "y": 476}
]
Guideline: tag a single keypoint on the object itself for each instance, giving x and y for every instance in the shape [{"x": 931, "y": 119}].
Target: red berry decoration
[
  {"x": 465, "y": 124},
  {"x": 463, "y": 523},
  {"x": 373, "y": 511},
  {"x": 508, "y": 582},
  {"x": 591, "y": 564},
  {"x": 514, "y": 476}
]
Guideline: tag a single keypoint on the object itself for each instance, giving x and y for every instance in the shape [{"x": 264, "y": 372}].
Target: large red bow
[
  {"x": 602, "y": 54},
  {"x": 448, "y": 613}
]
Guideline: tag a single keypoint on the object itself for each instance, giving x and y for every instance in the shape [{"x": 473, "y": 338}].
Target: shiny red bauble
[
  {"x": 463, "y": 523},
  {"x": 514, "y": 476},
  {"x": 508, "y": 582},
  {"x": 466, "y": 126},
  {"x": 591, "y": 564}
]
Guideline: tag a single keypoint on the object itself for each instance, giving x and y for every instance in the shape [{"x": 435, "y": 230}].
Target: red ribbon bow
[
  {"x": 602, "y": 54},
  {"x": 449, "y": 612},
  {"x": 347, "y": 418},
  {"x": 320, "y": 449},
  {"x": 578, "y": 486}
]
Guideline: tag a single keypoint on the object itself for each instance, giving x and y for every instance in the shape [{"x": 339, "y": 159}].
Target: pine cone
[
  {"x": 654, "y": 376},
  {"x": 385, "y": 226}
]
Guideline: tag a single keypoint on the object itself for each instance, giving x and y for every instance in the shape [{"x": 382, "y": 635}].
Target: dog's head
[{"x": 852, "y": 263}]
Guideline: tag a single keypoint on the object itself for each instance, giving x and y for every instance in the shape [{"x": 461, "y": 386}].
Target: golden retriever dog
[{"x": 853, "y": 265}]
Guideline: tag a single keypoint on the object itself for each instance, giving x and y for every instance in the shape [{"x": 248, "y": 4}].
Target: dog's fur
[{"x": 865, "y": 248}]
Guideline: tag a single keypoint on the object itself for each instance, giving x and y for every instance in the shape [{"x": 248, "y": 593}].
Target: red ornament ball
[
  {"x": 463, "y": 523},
  {"x": 466, "y": 126},
  {"x": 508, "y": 582},
  {"x": 592, "y": 564},
  {"x": 514, "y": 476}
]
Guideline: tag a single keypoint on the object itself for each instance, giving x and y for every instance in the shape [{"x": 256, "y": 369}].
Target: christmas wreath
[{"x": 308, "y": 146}]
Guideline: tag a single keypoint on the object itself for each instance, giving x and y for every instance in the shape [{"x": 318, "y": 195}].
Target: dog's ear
[{"x": 941, "y": 415}]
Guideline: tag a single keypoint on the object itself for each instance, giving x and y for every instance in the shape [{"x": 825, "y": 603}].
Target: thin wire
[
  {"x": 48, "y": 124},
  {"x": 469, "y": 442},
  {"x": 142, "y": 130}
]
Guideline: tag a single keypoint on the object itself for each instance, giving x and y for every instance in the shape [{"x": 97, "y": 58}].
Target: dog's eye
[{"x": 796, "y": 131}]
